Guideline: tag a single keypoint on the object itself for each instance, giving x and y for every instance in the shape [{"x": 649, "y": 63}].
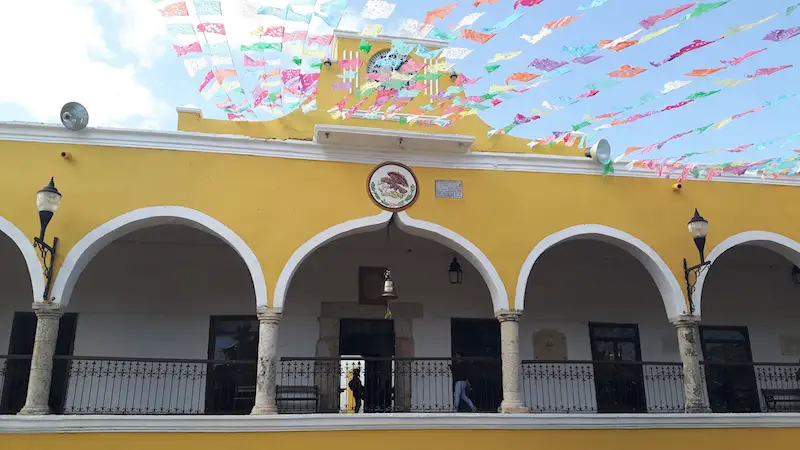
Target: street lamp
[
  {"x": 455, "y": 272},
  {"x": 698, "y": 227},
  {"x": 48, "y": 199}
]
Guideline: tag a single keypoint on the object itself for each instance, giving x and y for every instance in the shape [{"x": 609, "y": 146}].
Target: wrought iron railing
[
  {"x": 158, "y": 386},
  {"x": 641, "y": 387},
  {"x": 104, "y": 385},
  {"x": 14, "y": 372}
]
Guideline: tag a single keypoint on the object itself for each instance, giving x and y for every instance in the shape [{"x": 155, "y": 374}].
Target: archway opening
[
  {"x": 334, "y": 320},
  {"x": 749, "y": 334},
  {"x": 156, "y": 330},
  {"x": 17, "y": 326},
  {"x": 595, "y": 336}
]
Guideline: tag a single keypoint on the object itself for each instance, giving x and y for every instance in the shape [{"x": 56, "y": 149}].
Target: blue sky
[{"x": 134, "y": 78}]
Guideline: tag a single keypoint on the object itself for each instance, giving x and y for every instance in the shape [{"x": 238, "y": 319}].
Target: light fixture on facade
[
  {"x": 698, "y": 228},
  {"x": 796, "y": 274},
  {"x": 48, "y": 199},
  {"x": 455, "y": 272}
]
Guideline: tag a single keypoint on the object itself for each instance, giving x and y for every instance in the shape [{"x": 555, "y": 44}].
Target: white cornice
[
  {"x": 389, "y": 38},
  {"x": 309, "y": 150},
  {"x": 410, "y": 421}
]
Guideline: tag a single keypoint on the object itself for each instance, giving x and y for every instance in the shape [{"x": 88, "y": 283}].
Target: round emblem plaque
[{"x": 392, "y": 186}]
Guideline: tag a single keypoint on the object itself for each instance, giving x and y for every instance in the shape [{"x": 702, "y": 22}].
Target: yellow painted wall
[
  {"x": 650, "y": 439},
  {"x": 276, "y": 205}
]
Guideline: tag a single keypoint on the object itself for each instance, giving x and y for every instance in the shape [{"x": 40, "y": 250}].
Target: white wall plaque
[{"x": 449, "y": 189}]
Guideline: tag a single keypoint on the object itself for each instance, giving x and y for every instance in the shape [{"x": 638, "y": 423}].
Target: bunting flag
[
  {"x": 738, "y": 60},
  {"x": 652, "y": 20}
]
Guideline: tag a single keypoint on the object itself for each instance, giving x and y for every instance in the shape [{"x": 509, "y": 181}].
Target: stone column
[
  {"x": 509, "y": 342},
  {"x": 267, "y": 369},
  {"x": 403, "y": 368},
  {"x": 688, "y": 338},
  {"x": 44, "y": 347}
]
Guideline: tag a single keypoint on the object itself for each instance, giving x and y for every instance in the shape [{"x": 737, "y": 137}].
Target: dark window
[{"x": 231, "y": 386}]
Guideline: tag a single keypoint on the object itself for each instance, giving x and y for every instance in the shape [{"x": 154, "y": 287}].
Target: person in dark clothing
[
  {"x": 460, "y": 371},
  {"x": 357, "y": 388}
]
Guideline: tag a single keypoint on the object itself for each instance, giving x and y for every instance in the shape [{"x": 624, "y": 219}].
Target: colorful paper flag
[
  {"x": 626, "y": 71},
  {"x": 703, "y": 72},
  {"x": 473, "y": 35}
]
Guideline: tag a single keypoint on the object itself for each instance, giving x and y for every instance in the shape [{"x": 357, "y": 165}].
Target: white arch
[
  {"x": 35, "y": 269},
  {"x": 778, "y": 243},
  {"x": 83, "y": 252},
  {"x": 668, "y": 286},
  {"x": 409, "y": 225}
]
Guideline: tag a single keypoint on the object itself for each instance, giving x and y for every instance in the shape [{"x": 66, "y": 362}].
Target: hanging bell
[{"x": 388, "y": 287}]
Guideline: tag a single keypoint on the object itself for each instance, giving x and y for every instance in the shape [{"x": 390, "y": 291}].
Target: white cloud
[
  {"x": 144, "y": 33},
  {"x": 55, "y": 51}
]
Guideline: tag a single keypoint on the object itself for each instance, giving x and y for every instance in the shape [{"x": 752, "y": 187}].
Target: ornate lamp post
[
  {"x": 48, "y": 199},
  {"x": 698, "y": 227}
]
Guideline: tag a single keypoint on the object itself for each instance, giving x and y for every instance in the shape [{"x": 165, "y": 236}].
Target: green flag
[
  {"x": 365, "y": 46},
  {"x": 701, "y": 94},
  {"x": 703, "y": 8},
  {"x": 492, "y": 68}
]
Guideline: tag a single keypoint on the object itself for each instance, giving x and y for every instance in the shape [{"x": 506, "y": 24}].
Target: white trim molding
[
  {"x": 668, "y": 286},
  {"x": 778, "y": 243},
  {"x": 82, "y": 253},
  {"x": 313, "y": 151},
  {"x": 50, "y": 424},
  {"x": 421, "y": 228},
  {"x": 25, "y": 246}
]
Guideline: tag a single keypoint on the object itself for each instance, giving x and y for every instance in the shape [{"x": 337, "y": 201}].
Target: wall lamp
[
  {"x": 48, "y": 199},
  {"x": 698, "y": 227},
  {"x": 455, "y": 273}
]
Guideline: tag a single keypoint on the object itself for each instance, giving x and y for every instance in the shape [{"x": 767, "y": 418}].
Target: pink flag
[
  {"x": 216, "y": 28},
  {"x": 738, "y": 60},
  {"x": 650, "y": 21},
  {"x": 222, "y": 74},
  {"x": 321, "y": 39},
  {"x": 289, "y": 74},
  {"x": 185, "y": 50},
  {"x": 350, "y": 64},
  {"x": 295, "y": 36},
  {"x": 768, "y": 71},
  {"x": 250, "y": 62},
  {"x": 273, "y": 32},
  {"x": 412, "y": 66},
  {"x": 206, "y": 80}
]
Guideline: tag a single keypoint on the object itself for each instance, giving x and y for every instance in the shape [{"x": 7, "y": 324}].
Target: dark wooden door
[
  {"x": 478, "y": 343},
  {"x": 730, "y": 376},
  {"x": 372, "y": 339},
  {"x": 618, "y": 378}
]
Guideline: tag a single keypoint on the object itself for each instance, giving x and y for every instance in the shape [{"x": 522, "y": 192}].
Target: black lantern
[
  {"x": 796, "y": 274},
  {"x": 455, "y": 272},
  {"x": 698, "y": 227},
  {"x": 48, "y": 199}
]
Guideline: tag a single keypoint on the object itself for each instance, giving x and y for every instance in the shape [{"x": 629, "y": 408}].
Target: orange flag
[
  {"x": 523, "y": 77},
  {"x": 619, "y": 46},
  {"x": 630, "y": 150},
  {"x": 703, "y": 72},
  {"x": 560, "y": 23},
  {"x": 626, "y": 71},
  {"x": 473, "y": 35},
  {"x": 439, "y": 13},
  {"x": 225, "y": 73},
  {"x": 485, "y": 2}
]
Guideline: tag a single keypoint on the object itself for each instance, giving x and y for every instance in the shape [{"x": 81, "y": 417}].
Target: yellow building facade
[{"x": 283, "y": 192}]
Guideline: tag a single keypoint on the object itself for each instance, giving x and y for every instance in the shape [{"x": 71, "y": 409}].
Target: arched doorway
[
  {"x": 335, "y": 320},
  {"x": 158, "y": 298},
  {"x": 749, "y": 335},
  {"x": 595, "y": 336}
]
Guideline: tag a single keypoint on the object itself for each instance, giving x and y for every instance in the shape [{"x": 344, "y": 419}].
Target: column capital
[
  {"x": 508, "y": 315},
  {"x": 266, "y": 314},
  {"x": 684, "y": 321},
  {"x": 47, "y": 310}
]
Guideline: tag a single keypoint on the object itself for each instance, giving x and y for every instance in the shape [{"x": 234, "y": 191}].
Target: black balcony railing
[
  {"x": 14, "y": 372},
  {"x": 307, "y": 385},
  {"x": 640, "y": 387},
  {"x": 102, "y": 385}
]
